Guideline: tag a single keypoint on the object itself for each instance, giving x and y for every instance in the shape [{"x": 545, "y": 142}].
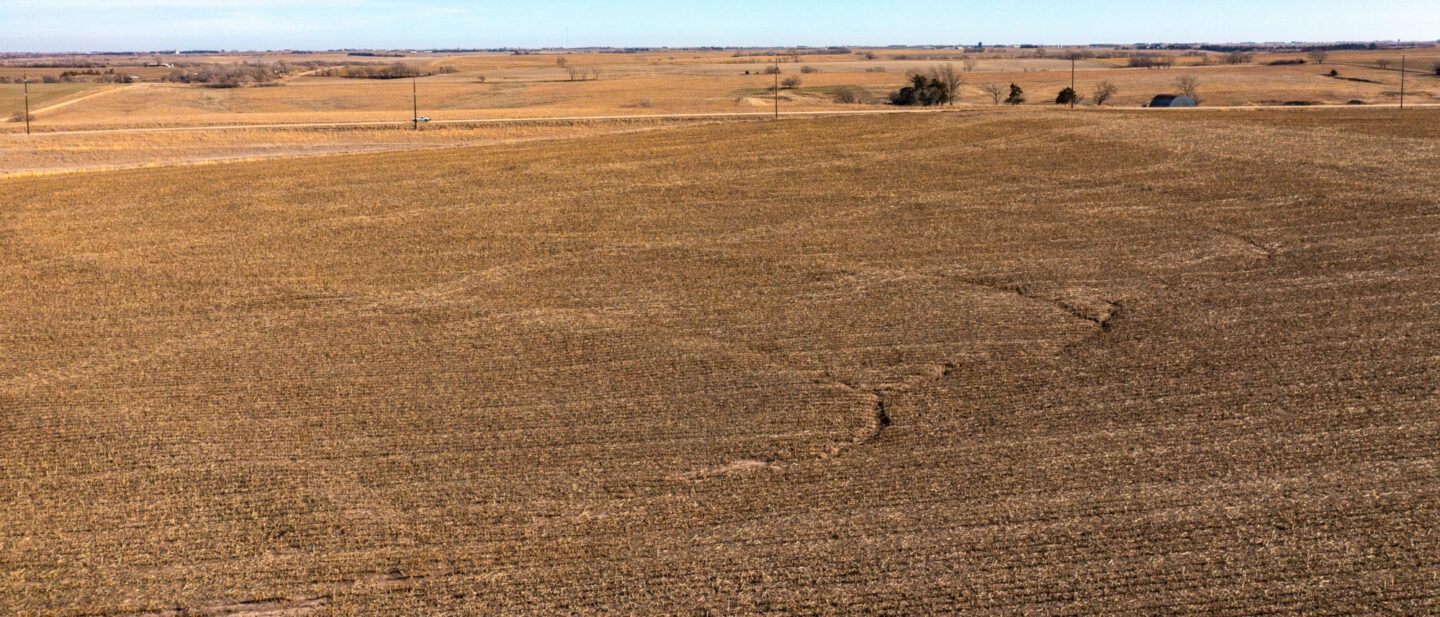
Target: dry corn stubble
[{"x": 1042, "y": 363}]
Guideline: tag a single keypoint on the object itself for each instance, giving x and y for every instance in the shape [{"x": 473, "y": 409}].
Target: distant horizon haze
[{"x": 53, "y": 26}]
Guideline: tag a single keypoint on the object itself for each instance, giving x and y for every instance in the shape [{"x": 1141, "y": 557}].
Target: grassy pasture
[{"x": 1005, "y": 363}]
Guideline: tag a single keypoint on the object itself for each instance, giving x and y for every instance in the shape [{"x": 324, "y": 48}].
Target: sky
[{"x": 143, "y": 25}]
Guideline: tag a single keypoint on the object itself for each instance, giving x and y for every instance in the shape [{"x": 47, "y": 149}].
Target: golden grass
[
  {"x": 1022, "y": 363},
  {"x": 12, "y": 96}
]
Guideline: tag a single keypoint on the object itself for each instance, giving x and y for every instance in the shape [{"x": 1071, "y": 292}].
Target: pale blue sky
[{"x": 102, "y": 25}]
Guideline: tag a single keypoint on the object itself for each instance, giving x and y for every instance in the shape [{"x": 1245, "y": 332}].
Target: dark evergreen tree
[{"x": 1017, "y": 95}]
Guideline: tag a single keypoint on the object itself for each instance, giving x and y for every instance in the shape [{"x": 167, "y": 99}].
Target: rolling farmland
[
  {"x": 687, "y": 82},
  {"x": 1031, "y": 362}
]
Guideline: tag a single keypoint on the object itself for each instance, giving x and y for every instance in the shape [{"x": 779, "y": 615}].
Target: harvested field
[
  {"x": 1039, "y": 363},
  {"x": 49, "y": 153}
]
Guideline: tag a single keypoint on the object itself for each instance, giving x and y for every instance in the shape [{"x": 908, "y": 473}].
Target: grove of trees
[
  {"x": 1151, "y": 61},
  {"x": 922, "y": 91},
  {"x": 398, "y": 70},
  {"x": 952, "y": 77},
  {"x": 229, "y": 75}
]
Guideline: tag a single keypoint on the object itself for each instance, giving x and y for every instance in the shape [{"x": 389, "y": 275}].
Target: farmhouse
[{"x": 1172, "y": 100}]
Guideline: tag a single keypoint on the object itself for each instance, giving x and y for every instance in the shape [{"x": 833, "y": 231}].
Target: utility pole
[
  {"x": 777, "y": 85},
  {"x": 1072, "y": 81},
  {"x": 1402, "y": 83},
  {"x": 25, "y": 76},
  {"x": 414, "y": 102}
]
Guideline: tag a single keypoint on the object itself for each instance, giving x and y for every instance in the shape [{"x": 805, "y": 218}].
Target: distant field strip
[
  {"x": 52, "y": 154},
  {"x": 693, "y": 116},
  {"x": 65, "y": 152},
  {"x": 531, "y": 120}
]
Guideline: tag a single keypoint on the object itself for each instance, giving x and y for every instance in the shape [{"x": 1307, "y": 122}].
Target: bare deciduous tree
[
  {"x": 1141, "y": 61},
  {"x": 1318, "y": 56},
  {"x": 1189, "y": 85},
  {"x": 950, "y": 76},
  {"x": 1151, "y": 61},
  {"x": 996, "y": 91},
  {"x": 969, "y": 64},
  {"x": 1103, "y": 91},
  {"x": 1383, "y": 63},
  {"x": 850, "y": 95},
  {"x": 579, "y": 74}
]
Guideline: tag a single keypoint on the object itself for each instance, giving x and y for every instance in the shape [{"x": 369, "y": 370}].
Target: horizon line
[{"x": 930, "y": 46}]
